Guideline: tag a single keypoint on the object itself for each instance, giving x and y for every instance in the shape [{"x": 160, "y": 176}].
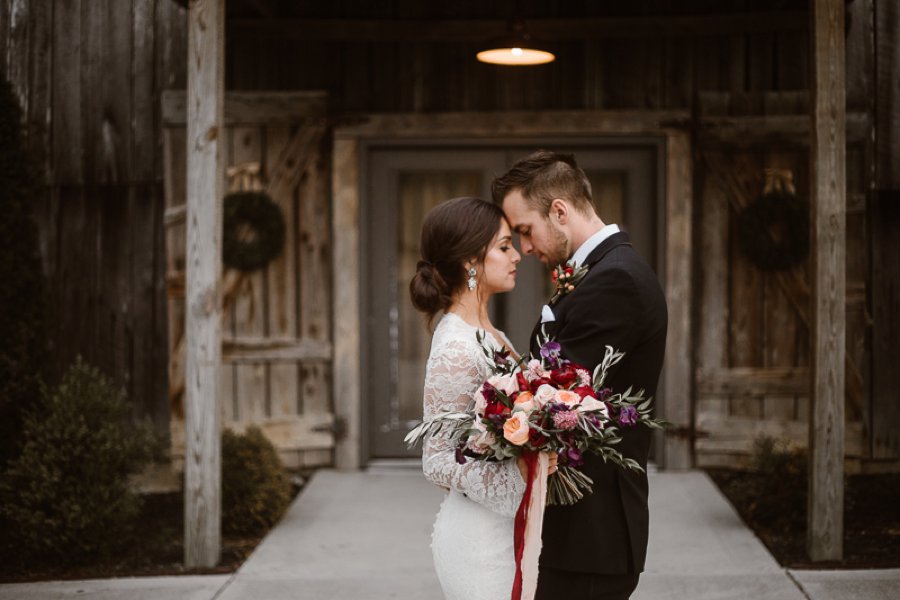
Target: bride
[{"x": 467, "y": 256}]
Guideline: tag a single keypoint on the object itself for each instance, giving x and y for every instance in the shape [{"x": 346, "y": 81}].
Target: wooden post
[
  {"x": 203, "y": 348},
  {"x": 825, "y": 525}
]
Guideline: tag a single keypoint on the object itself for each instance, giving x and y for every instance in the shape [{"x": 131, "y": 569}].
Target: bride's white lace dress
[{"x": 472, "y": 541}]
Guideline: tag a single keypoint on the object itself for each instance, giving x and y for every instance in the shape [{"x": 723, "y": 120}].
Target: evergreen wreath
[
  {"x": 773, "y": 230},
  {"x": 256, "y": 210}
]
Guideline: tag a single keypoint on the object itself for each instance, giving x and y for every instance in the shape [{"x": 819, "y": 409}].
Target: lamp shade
[{"x": 517, "y": 48}]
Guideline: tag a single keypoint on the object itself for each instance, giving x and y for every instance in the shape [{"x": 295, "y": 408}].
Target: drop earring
[{"x": 471, "y": 281}]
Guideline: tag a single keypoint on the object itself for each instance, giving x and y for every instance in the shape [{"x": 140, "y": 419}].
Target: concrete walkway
[{"x": 366, "y": 536}]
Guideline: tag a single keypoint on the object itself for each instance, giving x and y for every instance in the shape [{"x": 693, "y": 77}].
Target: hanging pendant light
[{"x": 516, "y": 48}]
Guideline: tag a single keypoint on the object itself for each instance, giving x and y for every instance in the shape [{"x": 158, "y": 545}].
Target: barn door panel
[
  {"x": 753, "y": 348},
  {"x": 275, "y": 330}
]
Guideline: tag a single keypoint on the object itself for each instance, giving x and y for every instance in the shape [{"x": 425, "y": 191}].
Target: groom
[{"x": 594, "y": 549}]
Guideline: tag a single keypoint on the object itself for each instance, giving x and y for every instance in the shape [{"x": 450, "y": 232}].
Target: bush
[
  {"x": 22, "y": 341},
  {"x": 255, "y": 487},
  {"x": 780, "y": 482},
  {"x": 66, "y": 497}
]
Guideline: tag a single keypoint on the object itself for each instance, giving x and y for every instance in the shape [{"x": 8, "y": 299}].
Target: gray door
[{"x": 403, "y": 184}]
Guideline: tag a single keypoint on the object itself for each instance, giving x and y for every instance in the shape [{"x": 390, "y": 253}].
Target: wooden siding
[
  {"x": 276, "y": 321},
  {"x": 89, "y": 74}
]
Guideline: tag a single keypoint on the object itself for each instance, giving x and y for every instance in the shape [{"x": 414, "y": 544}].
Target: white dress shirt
[{"x": 592, "y": 242}]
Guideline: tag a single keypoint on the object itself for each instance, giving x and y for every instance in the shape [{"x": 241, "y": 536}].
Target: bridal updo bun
[{"x": 453, "y": 233}]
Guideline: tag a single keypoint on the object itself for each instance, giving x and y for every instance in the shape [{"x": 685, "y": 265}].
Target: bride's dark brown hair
[{"x": 453, "y": 233}]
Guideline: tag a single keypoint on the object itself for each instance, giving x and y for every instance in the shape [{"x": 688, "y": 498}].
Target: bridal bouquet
[{"x": 545, "y": 404}]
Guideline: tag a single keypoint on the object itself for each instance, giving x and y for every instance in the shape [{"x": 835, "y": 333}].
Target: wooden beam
[
  {"x": 677, "y": 368},
  {"x": 825, "y": 526},
  {"x": 480, "y": 30},
  {"x": 251, "y": 108},
  {"x": 776, "y": 381},
  {"x": 887, "y": 94},
  {"x": 345, "y": 228},
  {"x": 205, "y": 180},
  {"x": 771, "y": 130}
]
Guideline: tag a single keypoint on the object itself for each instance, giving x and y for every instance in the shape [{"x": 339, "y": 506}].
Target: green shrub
[
  {"x": 779, "y": 486},
  {"x": 255, "y": 487},
  {"x": 22, "y": 342},
  {"x": 66, "y": 497}
]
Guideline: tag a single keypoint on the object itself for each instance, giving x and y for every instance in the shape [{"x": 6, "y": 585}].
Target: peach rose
[
  {"x": 525, "y": 401},
  {"x": 515, "y": 430},
  {"x": 567, "y": 397}
]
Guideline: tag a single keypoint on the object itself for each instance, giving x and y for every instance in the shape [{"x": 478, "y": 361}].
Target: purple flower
[
  {"x": 604, "y": 394},
  {"x": 567, "y": 419},
  {"x": 574, "y": 458},
  {"x": 459, "y": 455},
  {"x": 501, "y": 357},
  {"x": 628, "y": 415},
  {"x": 551, "y": 351},
  {"x": 489, "y": 392}
]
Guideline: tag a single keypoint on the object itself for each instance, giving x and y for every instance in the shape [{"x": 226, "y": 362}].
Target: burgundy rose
[
  {"x": 537, "y": 438},
  {"x": 584, "y": 391},
  {"x": 564, "y": 375},
  {"x": 539, "y": 382},
  {"x": 524, "y": 386},
  {"x": 495, "y": 408}
]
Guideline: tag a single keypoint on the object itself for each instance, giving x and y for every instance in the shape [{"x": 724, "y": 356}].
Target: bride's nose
[{"x": 516, "y": 257}]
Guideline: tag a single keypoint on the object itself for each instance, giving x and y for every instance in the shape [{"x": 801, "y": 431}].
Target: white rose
[
  {"x": 591, "y": 403},
  {"x": 505, "y": 383},
  {"x": 544, "y": 394}
]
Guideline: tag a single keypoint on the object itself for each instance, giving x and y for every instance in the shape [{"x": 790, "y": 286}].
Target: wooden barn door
[
  {"x": 403, "y": 185},
  {"x": 752, "y": 377},
  {"x": 276, "y": 327}
]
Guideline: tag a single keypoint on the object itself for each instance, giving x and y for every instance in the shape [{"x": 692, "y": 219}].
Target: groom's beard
[{"x": 558, "y": 252}]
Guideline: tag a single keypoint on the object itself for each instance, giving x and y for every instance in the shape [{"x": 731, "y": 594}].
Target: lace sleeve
[{"x": 453, "y": 375}]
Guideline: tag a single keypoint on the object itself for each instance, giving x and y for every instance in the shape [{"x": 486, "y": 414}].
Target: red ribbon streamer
[{"x": 521, "y": 519}]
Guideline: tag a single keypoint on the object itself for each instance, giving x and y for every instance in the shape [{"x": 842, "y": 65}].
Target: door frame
[{"x": 351, "y": 145}]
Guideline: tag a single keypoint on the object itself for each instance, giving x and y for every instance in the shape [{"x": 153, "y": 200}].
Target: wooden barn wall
[{"x": 88, "y": 74}]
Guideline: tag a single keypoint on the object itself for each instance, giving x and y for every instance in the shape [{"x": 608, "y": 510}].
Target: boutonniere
[{"x": 565, "y": 278}]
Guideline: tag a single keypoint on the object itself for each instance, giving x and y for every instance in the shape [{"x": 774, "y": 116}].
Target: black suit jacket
[{"x": 618, "y": 303}]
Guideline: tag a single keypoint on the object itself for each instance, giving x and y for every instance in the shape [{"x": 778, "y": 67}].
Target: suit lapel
[{"x": 596, "y": 255}]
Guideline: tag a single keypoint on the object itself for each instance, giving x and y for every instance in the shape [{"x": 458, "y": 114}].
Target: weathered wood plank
[
  {"x": 143, "y": 125},
  {"x": 825, "y": 529},
  {"x": 274, "y": 349},
  {"x": 68, "y": 132},
  {"x": 781, "y": 323},
  {"x": 248, "y": 308},
  {"x": 282, "y": 277},
  {"x": 345, "y": 228},
  {"x": 712, "y": 341},
  {"x": 314, "y": 241},
  {"x": 678, "y": 252},
  {"x": 511, "y": 123},
  {"x": 746, "y": 324},
  {"x": 736, "y": 434},
  {"x": 767, "y": 131},
  {"x": 753, "y": 381},
  {"x": 885, "y": 242},
  {"x": 478, "y": 30},
  {"x": 252, "y": 108},
  {"x": 205, "y": 172},
  {"x": 887, "y": 92}
]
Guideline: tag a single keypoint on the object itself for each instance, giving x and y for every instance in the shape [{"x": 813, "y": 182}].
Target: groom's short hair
[{"x": 543, "y": 176}]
